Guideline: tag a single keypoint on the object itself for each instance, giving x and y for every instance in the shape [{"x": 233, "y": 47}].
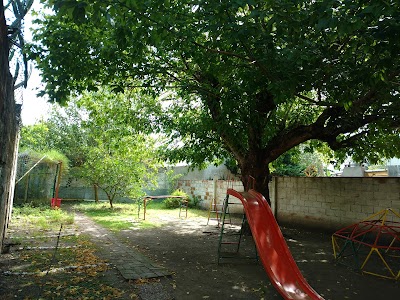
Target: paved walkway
[{"x": 130, "y": 263}]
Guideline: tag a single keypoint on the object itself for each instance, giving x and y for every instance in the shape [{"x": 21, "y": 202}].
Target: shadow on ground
[{"x": 186, "y": 249}]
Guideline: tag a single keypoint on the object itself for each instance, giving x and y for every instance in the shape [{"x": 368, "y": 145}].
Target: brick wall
[{"x": 326, "y": 203}]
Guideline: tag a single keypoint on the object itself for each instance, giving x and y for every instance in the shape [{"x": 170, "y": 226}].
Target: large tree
[
  {"x": 247, "y": 79},
  {"x": 10, "y": 38}
]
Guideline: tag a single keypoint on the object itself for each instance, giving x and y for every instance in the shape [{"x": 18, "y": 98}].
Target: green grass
[
  {"x": 124, "y": 216},
  {"x": 41, "y": 217},
  {"x": 36, "y": 227},
  {"x": 158, "y": 208}
]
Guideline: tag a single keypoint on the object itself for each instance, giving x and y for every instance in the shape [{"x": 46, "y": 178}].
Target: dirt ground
[{"x": 188, "y": 248}]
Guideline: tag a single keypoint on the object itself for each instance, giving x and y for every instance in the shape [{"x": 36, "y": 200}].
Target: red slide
[{"x": 272, "y": 249}]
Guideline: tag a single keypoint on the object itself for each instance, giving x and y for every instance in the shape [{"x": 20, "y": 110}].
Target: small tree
[
  {"x": 103, "y": 147},
  {"x": 120, "y": 169},
  {"x": 118, "y": 158}
]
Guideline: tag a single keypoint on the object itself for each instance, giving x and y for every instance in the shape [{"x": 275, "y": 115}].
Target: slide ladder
[
  {"x": 215, "y": 209},
  {"x": 229, "y": 237}
]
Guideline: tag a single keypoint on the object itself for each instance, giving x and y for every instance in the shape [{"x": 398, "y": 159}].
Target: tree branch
[
  {"x": 335, "y": 145},
  {"x": 310, "y": 100},
  {"x": 227, "y": 53}
]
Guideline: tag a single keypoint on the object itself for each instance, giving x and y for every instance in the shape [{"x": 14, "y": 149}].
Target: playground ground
[{"x": 188, "y": 249}]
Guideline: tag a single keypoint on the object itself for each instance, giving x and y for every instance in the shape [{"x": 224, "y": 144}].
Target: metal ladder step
[{"x": 223, "y": 232}]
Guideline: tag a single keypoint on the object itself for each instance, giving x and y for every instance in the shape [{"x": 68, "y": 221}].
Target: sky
[{"x": 34, "y": 108}]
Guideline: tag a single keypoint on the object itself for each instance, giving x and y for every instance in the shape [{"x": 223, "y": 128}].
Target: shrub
[
  {"x": 174, "y": 202},
  {"x": 194, "y": 202}
]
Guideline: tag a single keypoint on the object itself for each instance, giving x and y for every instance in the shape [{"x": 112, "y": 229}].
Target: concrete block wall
[
  {"x": 330, "y": 203},
  {"x": 324, "y": 203},
  {"x": 204, "y": 189}
]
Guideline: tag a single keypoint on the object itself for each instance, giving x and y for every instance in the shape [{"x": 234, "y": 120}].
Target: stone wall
[
  {"x": 9, "y": 126},
  {"x": 325, "y": 203}
]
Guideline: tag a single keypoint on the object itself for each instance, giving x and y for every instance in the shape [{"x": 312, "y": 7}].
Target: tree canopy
[
  {"x": 245, "y": 79},
  {"x": 102, "y": 149}
]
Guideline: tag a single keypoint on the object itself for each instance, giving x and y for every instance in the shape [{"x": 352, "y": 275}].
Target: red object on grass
[
  {"x": 272, "y": 249},
  {"x": 55, "y": 202}
]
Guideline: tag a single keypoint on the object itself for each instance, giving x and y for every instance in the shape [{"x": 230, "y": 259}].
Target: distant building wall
[
  {"x": 75, "y": 189},
  {"x": 393, "y": 167},
  {"x": 208, "y": 173},
  {"x": 326, "y": 203}
]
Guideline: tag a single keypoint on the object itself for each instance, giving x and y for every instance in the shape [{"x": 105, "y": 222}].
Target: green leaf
[
  {"x": 242, "y": 79},
  {"x": 79, "y": 14}
]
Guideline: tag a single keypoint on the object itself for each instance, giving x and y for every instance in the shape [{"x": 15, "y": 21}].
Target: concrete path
[{"x": 130, "y": 263}]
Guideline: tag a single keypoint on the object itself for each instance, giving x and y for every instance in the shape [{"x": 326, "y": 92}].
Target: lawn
[
  {"x": 124, "y": 216},
  {"x": 49, "y": 259},
  {"x": 40, "y": 218}
]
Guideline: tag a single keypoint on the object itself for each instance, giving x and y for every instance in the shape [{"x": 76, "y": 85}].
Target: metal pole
[{"x": 31, "y": 169}]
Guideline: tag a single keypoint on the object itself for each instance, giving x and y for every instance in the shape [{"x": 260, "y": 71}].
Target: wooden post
[
  {"x": 26, "y": 188},
  {"x": 58, "y": 181},
  {"x": 215, "y": 181}
]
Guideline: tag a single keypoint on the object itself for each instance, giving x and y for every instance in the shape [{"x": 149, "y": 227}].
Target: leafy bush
[
  {"x": 175, "y": 202},
  {"x": 194, "y": 202}
]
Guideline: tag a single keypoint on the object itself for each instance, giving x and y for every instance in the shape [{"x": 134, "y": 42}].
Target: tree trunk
[
  {"x": 256, "y": 175},
  {"x": 9, "y": 126},
  {"x": 96, "y": 193},
  {"x": 110, "y": 199}
]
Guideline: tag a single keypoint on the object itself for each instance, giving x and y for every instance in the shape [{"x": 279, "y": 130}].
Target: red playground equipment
[
  {"x": 375, "y": 241},
  {"x": 272, "y": 248}
]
